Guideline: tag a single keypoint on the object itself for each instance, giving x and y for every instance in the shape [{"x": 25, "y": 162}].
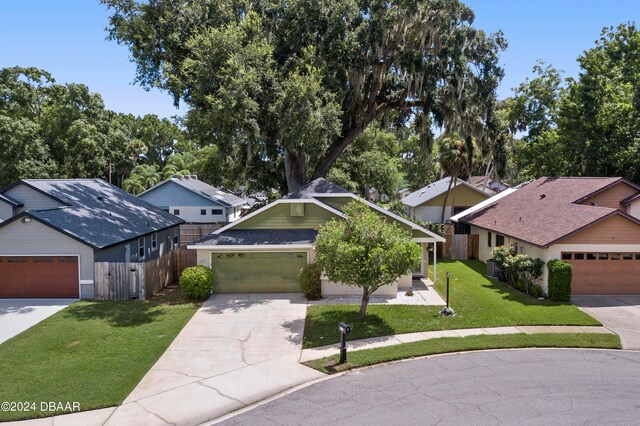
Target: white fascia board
[
  {"x": 482, "y": 204},
  {"x": 254, "y": 247},
  {"x": 428, "y": 240}
]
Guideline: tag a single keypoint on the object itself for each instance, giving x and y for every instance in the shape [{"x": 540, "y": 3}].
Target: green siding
[
  {"x": 336, "y": 202},
  {"x": 257, "y": 272},
  {"x": 279, "y": 217}
]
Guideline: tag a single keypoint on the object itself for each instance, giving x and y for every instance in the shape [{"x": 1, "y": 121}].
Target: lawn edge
[{"x": 458, "y": 350}]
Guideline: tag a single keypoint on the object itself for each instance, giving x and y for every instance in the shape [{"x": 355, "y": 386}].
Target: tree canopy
[
  {"x": 288, "y": 86},
  {"x": 588, "y": 126},
  {"x": 365, "y": 250},
  {"x": 50, "y": 130}
]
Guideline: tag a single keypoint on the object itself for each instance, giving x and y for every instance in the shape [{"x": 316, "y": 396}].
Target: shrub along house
[
  {"x": 265, "y": 250},
  {"x": 592, "y": 223},
  {"x": 56, "y": 230}
]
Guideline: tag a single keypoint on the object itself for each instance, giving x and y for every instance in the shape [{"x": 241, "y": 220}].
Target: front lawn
[
  {"x": 477, "y": 300},
  {"x": 93, "y": 353},
  {"x": 330, "y": 365}
]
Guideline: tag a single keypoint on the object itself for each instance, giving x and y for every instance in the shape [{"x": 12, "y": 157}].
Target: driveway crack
[{"x": 222, "y": 394}]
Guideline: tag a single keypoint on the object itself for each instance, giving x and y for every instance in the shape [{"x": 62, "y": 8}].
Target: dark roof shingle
[
  {"x": 318, "y": 186},
  {"x": 249, "y": 237},
  {"x": 99, "y": 213}
]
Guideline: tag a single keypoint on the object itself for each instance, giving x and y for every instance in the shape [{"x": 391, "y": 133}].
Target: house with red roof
[{"x": 591, "y": 222}]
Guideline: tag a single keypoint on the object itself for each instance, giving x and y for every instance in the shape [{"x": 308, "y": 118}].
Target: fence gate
[{"x": 459, "y": 247}]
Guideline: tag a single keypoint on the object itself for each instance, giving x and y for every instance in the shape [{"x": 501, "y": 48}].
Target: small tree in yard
[{"x": 365, "y": 250}]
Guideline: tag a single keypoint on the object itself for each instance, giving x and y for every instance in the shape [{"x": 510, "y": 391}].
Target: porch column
[{"x": 435, "y": 256}]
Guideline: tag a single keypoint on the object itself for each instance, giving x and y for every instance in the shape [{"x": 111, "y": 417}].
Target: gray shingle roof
[
  {"x": 432, "y": 190},
  {"x": 10, "y": 200},
  {"x": 318, "y": 186},
  {"x": 99, "y": 213},
  {"x": 202, "y": 188},
  {"x": 249, "y": 237}
]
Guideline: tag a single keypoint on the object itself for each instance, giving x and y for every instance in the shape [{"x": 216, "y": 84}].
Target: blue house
[{"x": 194, "y": 201}]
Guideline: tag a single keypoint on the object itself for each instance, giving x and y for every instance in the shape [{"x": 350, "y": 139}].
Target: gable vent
[{"x": 296, "y": 210}]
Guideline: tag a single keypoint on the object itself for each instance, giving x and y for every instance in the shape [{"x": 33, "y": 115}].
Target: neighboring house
[
  {"x": 592, "y": 223},
  {"x": 426, "y": 203},
  {"x": 488, "y": 184},
  {"x": 194, "y": 201},
  {"x": 57, "y": 229},
  {"x": 264, "y": 251}
]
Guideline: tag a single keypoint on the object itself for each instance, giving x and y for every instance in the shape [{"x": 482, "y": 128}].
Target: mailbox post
[{"x": 344, "y": 330}]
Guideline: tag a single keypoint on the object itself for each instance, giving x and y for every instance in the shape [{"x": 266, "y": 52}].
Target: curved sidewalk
[{"x": 378, "y": 342}]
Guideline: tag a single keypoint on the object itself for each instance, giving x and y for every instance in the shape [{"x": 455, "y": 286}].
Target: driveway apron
[
  {"x": 620, "y": 314},
  {"x": 18, "y": 315},
  {"x": 237, "y": 349}
]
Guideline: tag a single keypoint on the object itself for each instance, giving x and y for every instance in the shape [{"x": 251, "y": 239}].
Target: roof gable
[
  {"x": 10, "y": 201},
  {"x": 312, "y": 194},
  {"x": 544, "y": 211},
  {"x": 170, "y": 193},
  {"x": 434, "y": 190},
  {"x": 199, "y": 188},
  {"x": 97, "y": 212},
  {"x": 318, "y": 186}
]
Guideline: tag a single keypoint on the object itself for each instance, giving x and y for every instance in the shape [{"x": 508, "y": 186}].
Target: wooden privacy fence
[
  {"x": 125, "y": 280},
  {"x": 184, "y": 259},
  {"x": 460, "y": 247},
  {"x": 190, "y": 232}
]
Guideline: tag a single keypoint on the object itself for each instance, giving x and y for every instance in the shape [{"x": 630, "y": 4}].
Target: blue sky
[{"x": 67, "y": 38}]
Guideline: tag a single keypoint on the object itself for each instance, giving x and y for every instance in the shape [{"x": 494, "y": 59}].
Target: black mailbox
[{"x": 344, "y": 328}]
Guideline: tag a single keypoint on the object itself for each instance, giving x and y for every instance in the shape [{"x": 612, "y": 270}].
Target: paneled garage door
[
  {"x": 275, "y": 272},
  {"x": 39, "y": 276},
  {"x": 604, "y": 273}
]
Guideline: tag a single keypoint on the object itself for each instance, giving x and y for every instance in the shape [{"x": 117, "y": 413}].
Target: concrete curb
[{"x": 398, "y": 339}]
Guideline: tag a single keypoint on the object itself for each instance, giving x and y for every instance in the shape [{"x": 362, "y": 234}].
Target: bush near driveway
[
  {"x": 93, "y": 353},
  {"x": 310, "y": 281},
  {"x": 477, "y": 300},
  {"x": 196, "y": 282},
  {"x": 560, "y": 276}
]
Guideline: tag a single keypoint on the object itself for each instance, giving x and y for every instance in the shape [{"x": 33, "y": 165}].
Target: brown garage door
[
  {"x": 39, "y": 276},
  {"x": 604, "y": 273}
]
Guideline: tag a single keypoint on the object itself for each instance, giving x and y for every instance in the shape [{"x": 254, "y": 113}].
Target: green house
[{"x": 264, "y": 251}]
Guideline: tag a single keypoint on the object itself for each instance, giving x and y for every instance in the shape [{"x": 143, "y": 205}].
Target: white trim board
[{"x": 255, "y": 247}]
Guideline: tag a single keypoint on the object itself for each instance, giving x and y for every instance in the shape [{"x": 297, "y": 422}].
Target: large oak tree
[{"x": 291, "y": 85}]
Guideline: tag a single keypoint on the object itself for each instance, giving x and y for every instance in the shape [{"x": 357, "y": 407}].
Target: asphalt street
[{"x": 523, "y": 387}]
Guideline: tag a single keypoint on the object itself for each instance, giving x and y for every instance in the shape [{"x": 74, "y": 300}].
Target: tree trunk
[
  {"x": 295, "y": 169},
  {"x": 453, "y": 197},
  {"x": 446, "y": 198},
  {"x": 365, "y": 302}
]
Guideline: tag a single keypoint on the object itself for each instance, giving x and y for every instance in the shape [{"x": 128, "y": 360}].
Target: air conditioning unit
[{"x": 491, "y": 268}]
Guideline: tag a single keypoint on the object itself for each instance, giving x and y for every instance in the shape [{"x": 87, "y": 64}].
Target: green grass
[
  {"x": 93, "y": 353},
  {"x": 366, "y": 357},
  {"x": 477, "y": 300}
]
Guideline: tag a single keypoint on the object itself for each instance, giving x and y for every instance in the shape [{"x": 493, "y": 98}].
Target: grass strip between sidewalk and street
[
  {"x": 365, "y": 357},
  {"x": 479, "y": 302},
  {"x": 91, "y": 353}
]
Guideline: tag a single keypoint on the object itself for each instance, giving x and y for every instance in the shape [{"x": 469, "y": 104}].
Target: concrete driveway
[
  {"x": 517, "y": 387},
  {"x": 17, "y": 315},
  {"x": 620, "y": 314},
  {"x": 237, "y": 349}
]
